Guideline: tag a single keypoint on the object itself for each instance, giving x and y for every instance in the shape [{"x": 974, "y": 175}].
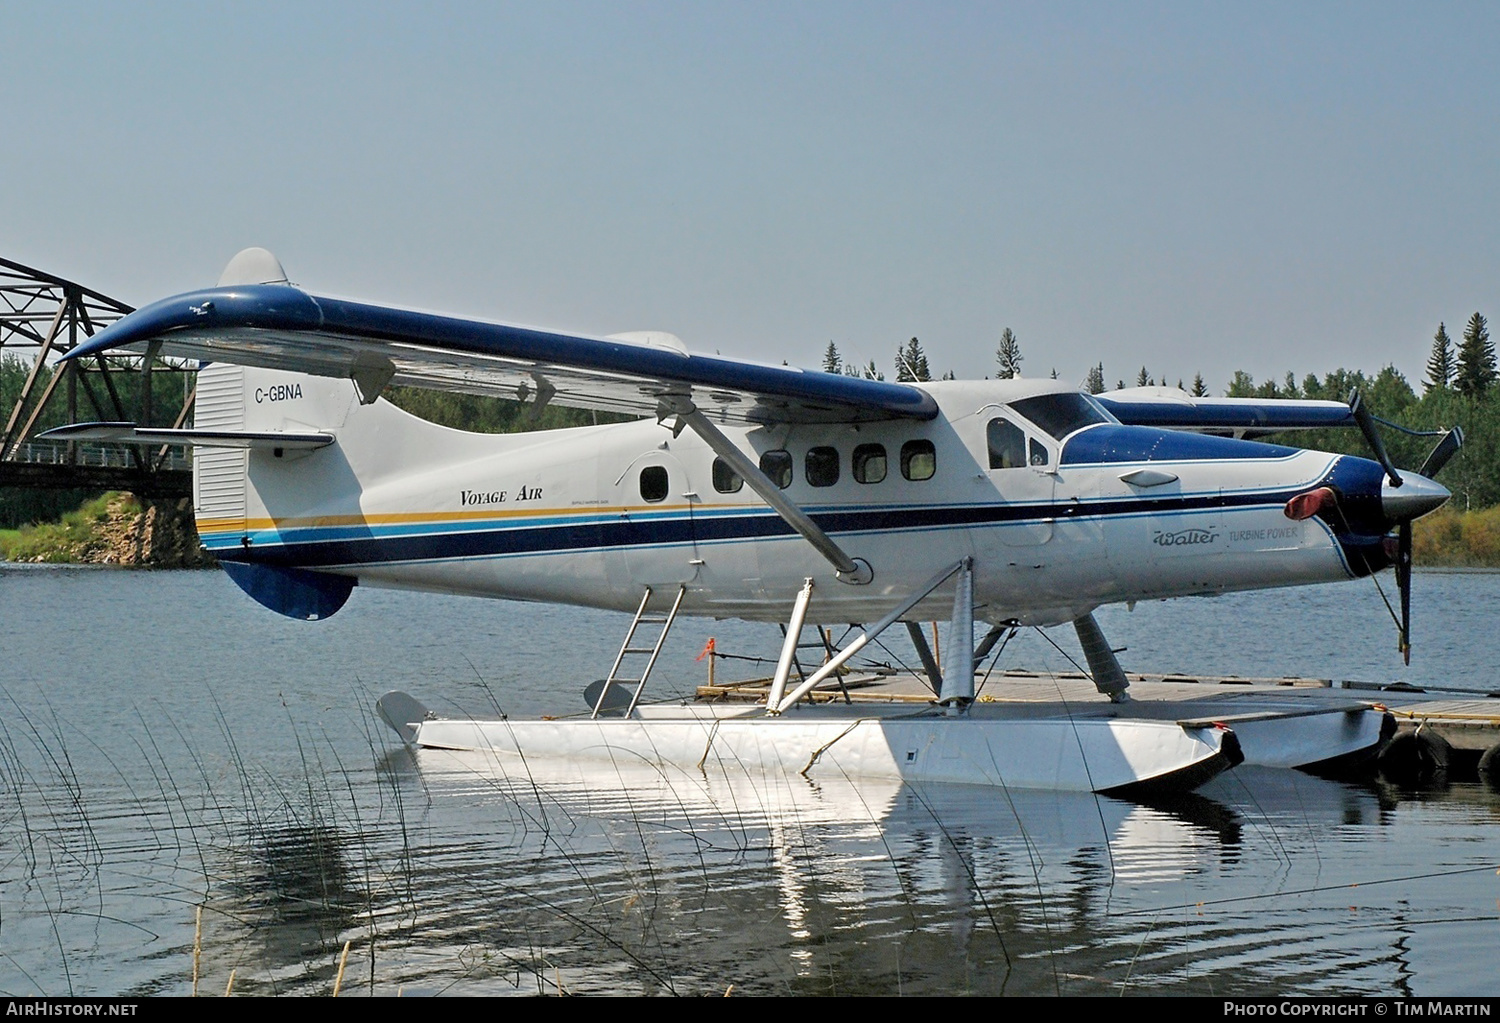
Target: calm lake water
[{"x": 168, "y": 746}]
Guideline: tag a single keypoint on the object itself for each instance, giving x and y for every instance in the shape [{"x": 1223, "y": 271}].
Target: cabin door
[
  {"x": 1020, "y": 468},
  {"x": 655, "y": 527}
]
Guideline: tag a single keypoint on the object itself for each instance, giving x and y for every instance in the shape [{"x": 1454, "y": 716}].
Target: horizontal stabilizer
[{"x": 129, "y": 433}]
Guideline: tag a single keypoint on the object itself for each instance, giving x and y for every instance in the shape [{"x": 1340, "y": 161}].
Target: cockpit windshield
[{"x": 1062, "y": 414}]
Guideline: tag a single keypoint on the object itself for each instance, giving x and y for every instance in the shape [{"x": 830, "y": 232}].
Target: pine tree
[
  {"x": 1008, "y": 355},
  {"x": 1476, "y": 359},
  {"x": 832, "y": 361},
  {"x": 1142, "y": 379},
  {"x": 873, "y": 373},
  {"x": 1440, "y": 365},
  {"x": 1200, "y": 389},
  {"x": 911, "y": 362},
  {"x": 1094, "y": 382}
]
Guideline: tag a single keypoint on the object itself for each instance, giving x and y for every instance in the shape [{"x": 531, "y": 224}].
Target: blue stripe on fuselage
[{"x": 404, "y": 544}]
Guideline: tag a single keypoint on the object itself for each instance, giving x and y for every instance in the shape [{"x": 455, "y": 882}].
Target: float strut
[
  {"x": 958, "y": 680},
  {"x": 789, "y": 646},
  {"x": 859, "y": 642},
  {"x": 1109, "y": 677},
  {"x": 924, "y": 652}
]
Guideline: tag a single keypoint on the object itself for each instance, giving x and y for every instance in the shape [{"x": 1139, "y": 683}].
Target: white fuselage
[{"x": 589, "y": 516}]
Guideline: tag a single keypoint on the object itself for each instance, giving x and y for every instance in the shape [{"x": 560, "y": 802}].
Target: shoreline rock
[{"x": 134, "y": 534}]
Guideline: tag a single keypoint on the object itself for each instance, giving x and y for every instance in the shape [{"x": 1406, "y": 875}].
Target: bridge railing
[{"x": 115, "y": 456}]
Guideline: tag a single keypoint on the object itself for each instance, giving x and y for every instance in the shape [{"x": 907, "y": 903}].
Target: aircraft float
[{"x": 769, "y": 493}]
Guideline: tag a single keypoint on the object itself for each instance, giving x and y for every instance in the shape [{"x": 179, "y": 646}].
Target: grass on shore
[
  {"x": 60, "y": 542},
  {"x": 1449, "y": 538}
]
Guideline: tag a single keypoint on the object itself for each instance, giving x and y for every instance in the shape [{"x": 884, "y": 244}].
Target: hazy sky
[{"x": 1200, "y": 187}]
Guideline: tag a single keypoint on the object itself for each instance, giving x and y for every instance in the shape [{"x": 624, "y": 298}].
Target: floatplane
[{"x": 769, "y": 493}]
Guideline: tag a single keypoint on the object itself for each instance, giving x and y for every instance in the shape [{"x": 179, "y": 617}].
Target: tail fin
[
  {"x": 236, "y": 399},
  {"x": 279, "y": 517},
  {"x": 231, "y": 486}
]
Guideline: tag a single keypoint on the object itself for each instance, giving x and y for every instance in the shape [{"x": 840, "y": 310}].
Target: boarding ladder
[{"x": 645, "y": 648}]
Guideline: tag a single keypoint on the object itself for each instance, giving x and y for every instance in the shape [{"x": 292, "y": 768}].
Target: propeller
[
  {"x": 1447, "y": 446},
  {"x": 1403, "y": 586},
  {"x": 1366, "y": 423}
]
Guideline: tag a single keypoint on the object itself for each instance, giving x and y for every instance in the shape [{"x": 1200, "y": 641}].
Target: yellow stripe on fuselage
[{"x": 221, "y": 525}]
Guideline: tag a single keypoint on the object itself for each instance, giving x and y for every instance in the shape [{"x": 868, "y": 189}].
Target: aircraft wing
[
  {"x": 279, "y": 326},
  {"x": 1171, "y": 408}
]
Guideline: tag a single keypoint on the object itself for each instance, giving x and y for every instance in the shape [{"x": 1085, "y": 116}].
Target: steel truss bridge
[{"x": 42, "y": 318}]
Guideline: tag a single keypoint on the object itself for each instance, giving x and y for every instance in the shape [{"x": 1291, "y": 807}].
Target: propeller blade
[
  {"x": 1366, "y": 424},
  {"x": 1403, "y": 583},
  {"x": 1445, "y": 449}
]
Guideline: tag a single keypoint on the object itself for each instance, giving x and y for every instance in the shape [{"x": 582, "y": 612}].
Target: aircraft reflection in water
[
  {"x": 767, "y": 493},
  {"x": 863, "y": 886}
]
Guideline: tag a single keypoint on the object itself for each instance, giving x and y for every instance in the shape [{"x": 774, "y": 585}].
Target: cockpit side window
[
  {"x": 1061, "y": 414},
  {"x": 1007, "y": 444}
]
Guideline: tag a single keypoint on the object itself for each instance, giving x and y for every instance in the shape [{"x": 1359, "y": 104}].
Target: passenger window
[
  {"x": 869, "y": 463},
  {"x": 1007, "y": 444},
  {"x": 1038, "y": 452},
  {"x": 726, "y": 480},
  {"x": 822, "y": 466},
  {"x": 778, "y": 466},
  {"x": 654, "y": 483},
  {"x": 918, "y": 460}
]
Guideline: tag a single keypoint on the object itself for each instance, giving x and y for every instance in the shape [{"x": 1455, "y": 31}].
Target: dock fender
[
  {"x": 1415, "y": 758},
  {"x": 1489, "y": 766},
  {"x": 294, "y": 592}
]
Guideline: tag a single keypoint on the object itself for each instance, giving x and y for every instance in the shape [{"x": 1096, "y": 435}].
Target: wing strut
[{"x": 856, "y": 571}]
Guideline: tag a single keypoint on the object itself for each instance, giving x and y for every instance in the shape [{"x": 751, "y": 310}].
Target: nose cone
[{"x": 1416, "y": 496}]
